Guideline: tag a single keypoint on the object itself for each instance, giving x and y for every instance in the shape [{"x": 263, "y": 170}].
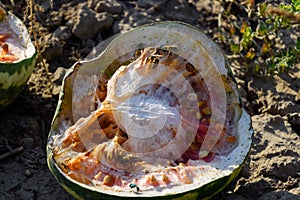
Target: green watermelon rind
[
  {"x": 82, "y": 191},
  {"x": 14, "y": 76}
]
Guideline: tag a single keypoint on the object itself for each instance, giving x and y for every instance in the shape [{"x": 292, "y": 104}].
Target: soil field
[{"x": 67, "y": 31}]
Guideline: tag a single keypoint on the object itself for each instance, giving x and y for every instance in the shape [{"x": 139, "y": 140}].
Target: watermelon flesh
[{"x": 133, "y": 136}]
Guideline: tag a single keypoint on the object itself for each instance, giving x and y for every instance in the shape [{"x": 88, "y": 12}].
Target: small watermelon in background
[
  {"x": 156, "y": 114},
  {"x": 17, "y": 56}
]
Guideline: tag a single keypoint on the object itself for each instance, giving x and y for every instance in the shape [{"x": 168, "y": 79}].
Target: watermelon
[
  {"x": 155, "y": 114},
  {"x": 17, "y": 56}
]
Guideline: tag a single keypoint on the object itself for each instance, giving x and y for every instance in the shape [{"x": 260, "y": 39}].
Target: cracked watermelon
[
  {"x": 17, "y": 56},
  {"x": 155, "y": 114}
]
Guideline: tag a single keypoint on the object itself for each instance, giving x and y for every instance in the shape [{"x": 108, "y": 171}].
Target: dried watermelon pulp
[{"x": 156, "y": 114}]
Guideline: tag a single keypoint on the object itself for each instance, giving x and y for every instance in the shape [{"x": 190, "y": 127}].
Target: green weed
[{"x": 256, "y": 34}]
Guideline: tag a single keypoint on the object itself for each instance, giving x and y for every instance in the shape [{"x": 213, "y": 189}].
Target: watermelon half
[
  {"x": 156, "y": 114},
  {"x": 17, "y": 56}
]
